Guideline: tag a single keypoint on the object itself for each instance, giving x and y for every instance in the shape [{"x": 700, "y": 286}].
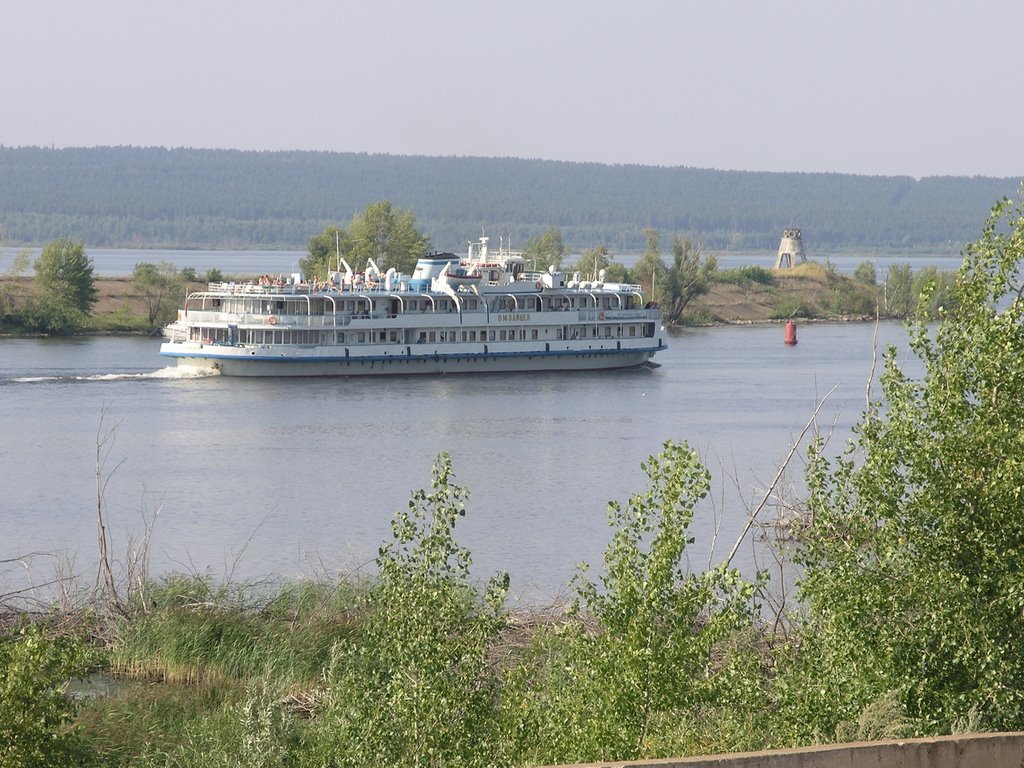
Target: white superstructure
[{"x": 484, "y": 312}]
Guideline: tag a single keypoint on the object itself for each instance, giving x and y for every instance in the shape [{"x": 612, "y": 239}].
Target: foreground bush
[
  {"x": 913, "y": 563},
  {"x": 35, "y": 711},
  {"x": 635, "y": 658},
  {"x": 416, "y": 687}
]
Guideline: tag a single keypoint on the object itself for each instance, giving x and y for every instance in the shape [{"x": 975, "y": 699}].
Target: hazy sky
[{"x": 908, "y": 87}]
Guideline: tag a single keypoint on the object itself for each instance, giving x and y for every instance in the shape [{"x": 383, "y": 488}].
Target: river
[{"x": 269, "y": 478}]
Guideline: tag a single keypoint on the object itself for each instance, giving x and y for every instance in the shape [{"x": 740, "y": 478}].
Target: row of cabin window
[
  {"x": 283, "y": 336},
  {"x": 527, "y": 303}
]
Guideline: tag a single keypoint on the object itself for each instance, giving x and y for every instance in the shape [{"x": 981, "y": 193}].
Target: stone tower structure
[{"x": 791, "y": 249}]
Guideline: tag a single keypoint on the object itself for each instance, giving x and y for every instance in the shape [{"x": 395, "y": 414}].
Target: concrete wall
[{"x": 989, "y": 750}]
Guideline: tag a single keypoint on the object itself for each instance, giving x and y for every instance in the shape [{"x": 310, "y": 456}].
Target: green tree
[
  {"x": 386, "y": 234},
  {"x": 65, "y": 290},
  {"x": 324, "y": 249},
  {"x": 545, "y": 251},
  {"x": 8, "y": 302},
  {"x": 592, "y": 261},
  {"x": 866, "y": 273},
  {"x": 653, "y": 239},
  {"x": 899, "y": 291},
  {"x": 161, "y": 287},
  {"x": 615, "y": 684},
  {"x": 417, "y": 689},
  {"x": 35, "y": 712},
  {"x": 616, "y": 273},
  {"x": 913, "y": 565},
  {"x": 649, "y": 271},
  {"x": 935, "y": 290},
  {"x": 689, "y": 276}
]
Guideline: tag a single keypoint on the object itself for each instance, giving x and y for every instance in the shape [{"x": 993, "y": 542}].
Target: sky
[{"x": 875, "y": 87}]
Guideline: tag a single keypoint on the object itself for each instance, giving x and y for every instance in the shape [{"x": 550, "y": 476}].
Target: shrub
[
  {"x": 745, "y": 275},
  {"x": 65, "y": 289},
  {"x": 849, "y": 298},
  {"x": 911, "y": 564},
  {"x": 866, "y": 273},
  {"x": 789, "y": 307},
  {"x": 417, "y": 688},
  {"x": 35, "y": 711},
  {"x": 615, "y": 683}
]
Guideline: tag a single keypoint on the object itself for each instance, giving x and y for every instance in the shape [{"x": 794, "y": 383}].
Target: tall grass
[
  {"x": 745, "y": 275},
  {"x": 196, "y": 633}
]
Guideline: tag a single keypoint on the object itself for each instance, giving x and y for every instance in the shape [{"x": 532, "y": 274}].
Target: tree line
[{"x": 139, "y": 197}]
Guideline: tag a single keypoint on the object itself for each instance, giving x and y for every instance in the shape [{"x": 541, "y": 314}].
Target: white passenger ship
[{"x": 484, "y": 312}]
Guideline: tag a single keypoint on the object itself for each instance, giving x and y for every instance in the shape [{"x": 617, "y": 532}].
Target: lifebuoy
[
  {"x": 271, "y": 320},
  {"x": 538, "y": 285}
]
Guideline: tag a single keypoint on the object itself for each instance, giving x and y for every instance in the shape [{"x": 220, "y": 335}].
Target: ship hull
[{"x": 245, "y": 362}]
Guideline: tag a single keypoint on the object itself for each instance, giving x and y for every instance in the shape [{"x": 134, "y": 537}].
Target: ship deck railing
[
  {"x": 415, "y": 318},
  {"x": 586, "y": 286},
  {"x": 380, "y": 287},
  {"x": 296, "y": 289}
]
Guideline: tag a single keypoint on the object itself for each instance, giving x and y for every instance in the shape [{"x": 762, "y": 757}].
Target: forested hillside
[{"x": 138, "y": 197}]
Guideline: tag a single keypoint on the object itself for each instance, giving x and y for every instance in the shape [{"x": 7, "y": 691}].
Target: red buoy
[{"x": 790, "y": 332}]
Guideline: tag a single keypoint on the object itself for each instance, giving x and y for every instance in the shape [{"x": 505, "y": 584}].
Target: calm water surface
[{"x": 277, "y": 477}]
